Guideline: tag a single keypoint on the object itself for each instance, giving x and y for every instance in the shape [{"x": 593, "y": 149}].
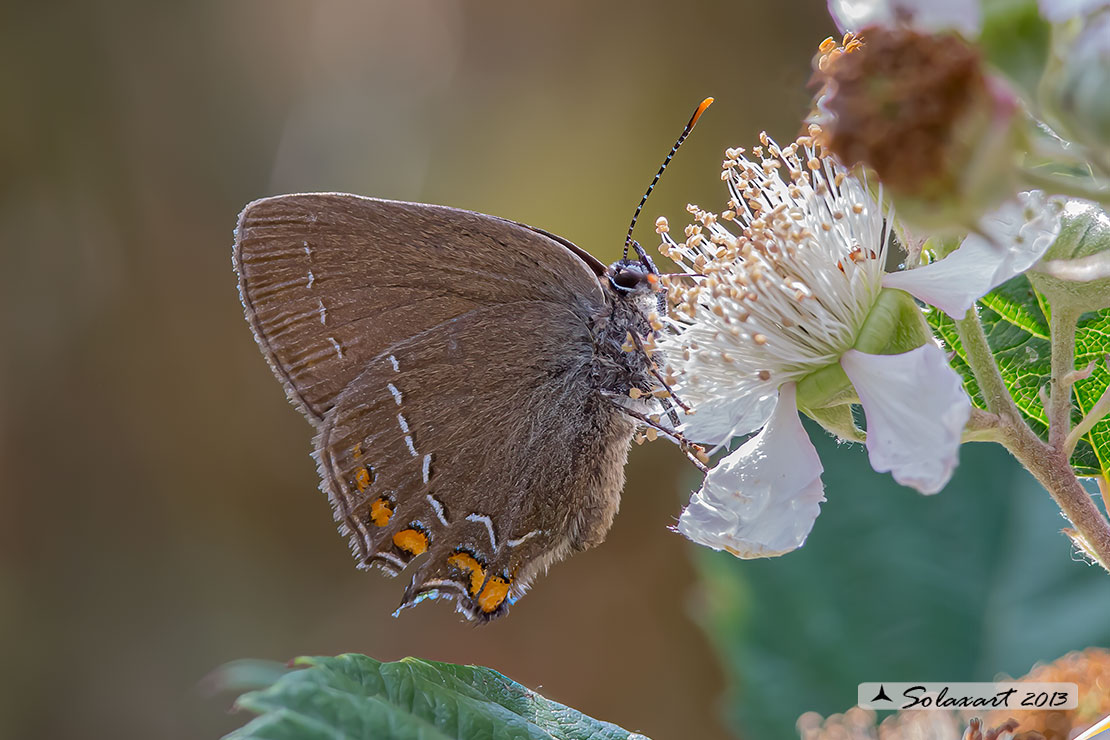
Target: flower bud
[
  {"x": 1075, "y": 271},
  {"x": 919, "y": 110}
]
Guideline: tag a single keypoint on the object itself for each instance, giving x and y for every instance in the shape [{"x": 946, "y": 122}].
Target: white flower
[
  {"x": 929, "y": 16},
  {"x": 791, "y": 300},
  {"x": 786, "y": 297}
]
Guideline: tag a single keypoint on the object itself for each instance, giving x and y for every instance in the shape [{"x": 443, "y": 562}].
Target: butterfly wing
[
  {"x": 480, "y": 445},
  {"x": 447, "y": 360},
  {"x": 329, "y": 280}
]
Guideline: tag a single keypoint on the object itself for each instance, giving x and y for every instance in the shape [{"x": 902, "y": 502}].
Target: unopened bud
[
  {"x": 1075, "y": 271},
  {"x": 921, "y": 111}
]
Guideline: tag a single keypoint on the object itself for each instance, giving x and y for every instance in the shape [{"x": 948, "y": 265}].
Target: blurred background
[{"x": 159, "y": 512}]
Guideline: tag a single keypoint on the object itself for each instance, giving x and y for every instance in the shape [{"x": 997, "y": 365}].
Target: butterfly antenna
[{"x": 685, "y": 132}]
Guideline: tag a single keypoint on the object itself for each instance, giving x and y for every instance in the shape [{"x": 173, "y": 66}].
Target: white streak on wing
[
  {"x": 311, "y": 278},
  {"x": 408, "y": 441},
  {"x": 393, "y": 361},
  {"x": 521, "y": 540},
  {"x": 396, "y": 393},
  {"x": 323, "y": 313},
  {"x": 389, "y": 557},
  {"x": 440, "y": 583},
  {"x": 338, "y": 349},
  {"x": 361, "y": 529},
  {"x": 404, "y": 424},
  {"x": 489, "y": 527},
  {"x": 307, "y": 249},
  {"x": 427, "y": 467},
  {"x": 438, "y": 509}
]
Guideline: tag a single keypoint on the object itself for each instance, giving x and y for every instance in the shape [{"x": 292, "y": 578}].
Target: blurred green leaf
[
  {"x": 1016, "y": 40},
  {"x": 895, "y": 586},
  {"x": 353, "y": 696},
  {"x": 1014, "y": 319},
  {"x": 243, "y": 675}
]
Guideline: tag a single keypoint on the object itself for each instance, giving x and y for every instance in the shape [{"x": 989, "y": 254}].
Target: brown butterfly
[{"x": 474, "y": 382}]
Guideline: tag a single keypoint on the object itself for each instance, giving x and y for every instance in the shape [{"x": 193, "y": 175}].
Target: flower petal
[
  {"x": 760, "y": 501},
  {"x": 1013, "y": 238},
  {"x": 916, "y": 409},
  {"x": 1058, "y": 11},
  {"x": 716, "y": 421},
  {"x": 929, "y": 16}
]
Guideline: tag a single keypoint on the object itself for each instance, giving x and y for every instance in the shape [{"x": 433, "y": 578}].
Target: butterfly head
[
  {"x": 638, "y": 276},
  {"x": 628, "y": 277}
]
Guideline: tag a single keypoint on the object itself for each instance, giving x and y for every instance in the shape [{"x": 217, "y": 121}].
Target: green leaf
[
  {"x": 1015, "y": 322},
  {"x": 353, "y": 696},
  {"x": 895, "y": 586}
]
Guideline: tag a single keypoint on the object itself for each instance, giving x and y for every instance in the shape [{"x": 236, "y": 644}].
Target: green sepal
[
  {"x": 837, "y": 420},
  {"x": 895, "y": 325},
  {"x": 825, "y": 388},
  {"x": 942, "y": 246}
]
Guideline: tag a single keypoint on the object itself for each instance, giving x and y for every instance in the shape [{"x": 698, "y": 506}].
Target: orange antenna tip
[{"x": 701, "y": 109}]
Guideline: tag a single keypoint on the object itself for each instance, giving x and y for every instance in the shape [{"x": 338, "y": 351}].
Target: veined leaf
[
  {"x": 353, "y": 696},
  {"x": 1014, "y": 319}
]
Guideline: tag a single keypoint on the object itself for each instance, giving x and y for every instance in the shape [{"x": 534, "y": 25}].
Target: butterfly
[{"x": 474, "y": 382}]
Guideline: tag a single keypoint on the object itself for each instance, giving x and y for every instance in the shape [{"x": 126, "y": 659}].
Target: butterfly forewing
[{"x": 329, "y": 281}]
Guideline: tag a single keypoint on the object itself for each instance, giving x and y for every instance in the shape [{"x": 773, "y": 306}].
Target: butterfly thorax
[{"x": 623, "y": 363}]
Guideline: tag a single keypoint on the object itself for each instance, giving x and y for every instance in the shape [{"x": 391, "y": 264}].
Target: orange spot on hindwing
[
  {"x": 380, "y": 511},
  {"x": 493, "y": 594},
  {"x": 411, "y": 540},
  {"x": 467, "y": 563},
  {"x": 363, "y": 478}
]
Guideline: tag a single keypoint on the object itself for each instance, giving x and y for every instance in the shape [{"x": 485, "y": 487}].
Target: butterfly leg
[
  {"x": 668, "y": 409},
  {"x": 662, "y": 381},
  {"x": 695, "y": 453}
]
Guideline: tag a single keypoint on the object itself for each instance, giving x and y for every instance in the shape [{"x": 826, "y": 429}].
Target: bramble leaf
[
  {"x": 353, "y": 696},
  {"x": 1014, "y": 317}
]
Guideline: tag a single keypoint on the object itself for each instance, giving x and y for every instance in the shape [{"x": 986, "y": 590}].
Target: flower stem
[
  {"x": 981, "y": 360},
  {"x": 1062, "y": 331},
  {"x": 1048, "y": 463},
  {"x": 1052, "y": 469}
]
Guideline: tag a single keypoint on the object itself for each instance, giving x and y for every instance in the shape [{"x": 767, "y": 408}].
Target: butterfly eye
[{"x": 628, "y": 279}]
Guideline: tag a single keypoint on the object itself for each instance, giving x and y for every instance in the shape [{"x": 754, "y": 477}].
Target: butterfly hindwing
[{"x": 481, "y": 446}]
